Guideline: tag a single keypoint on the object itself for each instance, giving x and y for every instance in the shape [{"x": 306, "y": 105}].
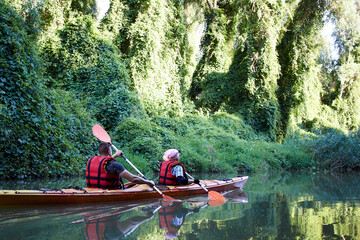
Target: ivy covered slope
[
  {"x": 44, "y": 131},
  {"x": 236, "y": 85}
]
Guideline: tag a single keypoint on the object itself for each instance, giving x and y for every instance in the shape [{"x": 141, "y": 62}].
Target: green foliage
[
  {"x": 337, "y": 152},
  {"x": 21, "y": 95},
  {"x": 53, "y": 15},
  {"x": 342, "y": 82},
  {"x": 250, "y": 77},
  {"x": 39, "y": 137},
  {"x": 143, "y": 137},
  {"x": 81, "y": 61},
  {"x": 142, "y": 73},
  {"x": 115, "y": 21},
  {"x": 333, "y": 151},
  {"x": 299, "y": 85},
  {"x": 87, "y": 7},
  {"x": 69, "y": 141},
  {"x": 210, "y": 83},
  {"x": 347, "y": 103},
  {"x": 157, "y": 42},
  {"x": 211, "y": 144},
  {"x": 235, "y": 125}
]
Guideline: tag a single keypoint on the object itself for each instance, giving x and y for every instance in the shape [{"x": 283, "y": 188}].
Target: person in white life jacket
[
  {"x": 172, "y": 172},
  {"x": 105, "y": 172}
]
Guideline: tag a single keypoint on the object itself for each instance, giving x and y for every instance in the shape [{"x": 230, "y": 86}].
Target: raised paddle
[
  {"x": 102, "y": 135},
  {"x": 214, "y": 196}
]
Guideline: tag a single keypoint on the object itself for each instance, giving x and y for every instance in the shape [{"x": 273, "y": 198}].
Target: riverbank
[
  {"x": 225, "y": 144},
  {"x": 211, "y": 149}
]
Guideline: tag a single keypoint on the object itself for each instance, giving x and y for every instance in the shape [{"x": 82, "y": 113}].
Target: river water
[{"x": 270, "y": 206}]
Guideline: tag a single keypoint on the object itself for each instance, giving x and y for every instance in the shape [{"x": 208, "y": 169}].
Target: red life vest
[
  {"x": 166, "y": 214},
  {"x": 165, "y": 176},
  {"x": 97, "y": 177},
  {"x": 95, "y": 229}
]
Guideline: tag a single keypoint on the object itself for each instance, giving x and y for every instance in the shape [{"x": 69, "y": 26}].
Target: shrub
[
  {"x": 336, "y": 151},
  {"x": 79, "y": 60},
  {"x": 207, "y": 143}
]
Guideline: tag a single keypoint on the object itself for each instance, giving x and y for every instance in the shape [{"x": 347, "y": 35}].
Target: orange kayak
[{"x": 130, "y": 193}]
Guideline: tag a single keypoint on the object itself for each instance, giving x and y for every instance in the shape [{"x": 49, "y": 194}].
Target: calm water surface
[{"x": 276, "y": 206}]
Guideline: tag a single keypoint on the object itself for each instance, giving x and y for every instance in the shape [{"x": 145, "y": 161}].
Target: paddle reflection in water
[
  {"x": 157, "y": 219},
  {"x": 279, "y": 206},
  {"x": 171, "y": 216},
  {"x": 110, "y": 225}
]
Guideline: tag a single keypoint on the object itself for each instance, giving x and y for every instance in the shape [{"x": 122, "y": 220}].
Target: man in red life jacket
[
  {"x": 105, "y": 172},
  {"x": 172, "y": 172}
]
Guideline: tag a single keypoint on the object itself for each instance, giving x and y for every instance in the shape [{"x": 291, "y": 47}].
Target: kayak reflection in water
[
  {"x": 172, "y": 217},
  {"x": 236, "y": 196},
  {"x": 107, "y": 226}
]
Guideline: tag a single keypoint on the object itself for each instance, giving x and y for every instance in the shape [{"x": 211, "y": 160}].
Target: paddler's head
[
  {"x": 171, "y": 155},
  {"x": 105, "y": 149}
]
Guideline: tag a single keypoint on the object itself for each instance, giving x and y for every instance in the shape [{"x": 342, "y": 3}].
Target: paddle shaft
[
  {"x": 134, "y": 227},
  {"x": 127, "y": 160},
  {"x": 137, "y": 170},
  {"x": 199, "y": 183}
]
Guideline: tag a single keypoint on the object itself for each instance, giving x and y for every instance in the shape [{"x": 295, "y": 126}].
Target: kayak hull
[{"x": 94, "y": 195}]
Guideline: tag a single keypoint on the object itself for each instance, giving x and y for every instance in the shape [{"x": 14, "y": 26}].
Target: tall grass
[{"x": 333, "y": 151}]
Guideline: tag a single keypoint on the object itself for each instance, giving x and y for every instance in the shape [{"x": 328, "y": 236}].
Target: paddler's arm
[
  {"x": 185, "y": 181},
  {"x": 118, "y": 153},
  {"x": 177, "y": 170},
  {"x": 136, "y": 179}
]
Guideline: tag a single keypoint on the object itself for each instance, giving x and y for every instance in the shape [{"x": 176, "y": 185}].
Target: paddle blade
[
  {"x": 216, "y": 196},
  {"x": 100, "y": 133},
  {"x": 215, "y": 203},
  {"x": 167, "y": 201},
  {"x": 168, "y": 198}
]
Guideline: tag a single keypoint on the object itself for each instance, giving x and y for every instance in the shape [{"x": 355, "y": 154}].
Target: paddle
[
  {"x": 216, "y": 198},
  {"x": 102, "y": 135}
]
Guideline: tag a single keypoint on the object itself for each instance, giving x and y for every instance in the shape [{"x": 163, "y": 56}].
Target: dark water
[{"x": 277, "y": 206}]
